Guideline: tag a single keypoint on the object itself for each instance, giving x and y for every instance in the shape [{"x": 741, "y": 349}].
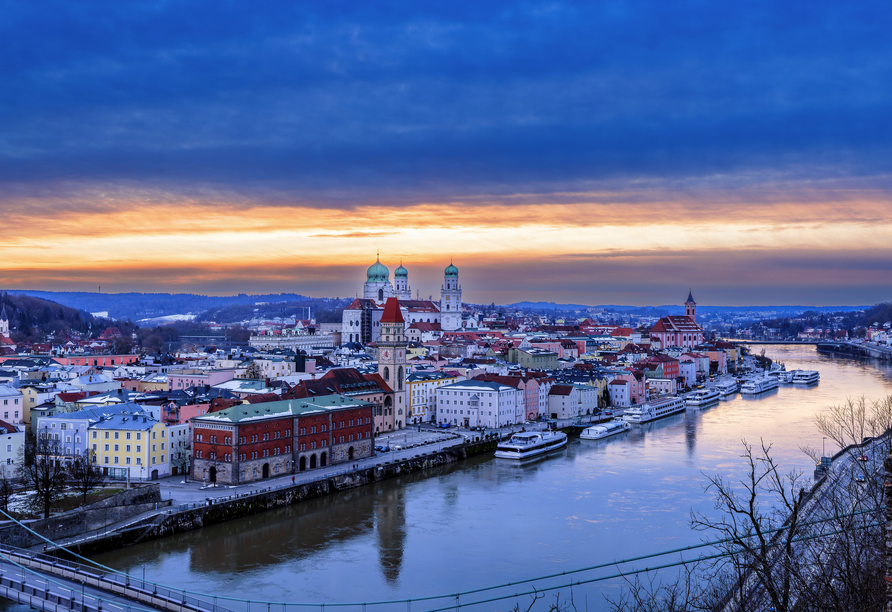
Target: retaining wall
[
  {"x": 247, "y": 504},
  {"x": 95, "y": 516}
]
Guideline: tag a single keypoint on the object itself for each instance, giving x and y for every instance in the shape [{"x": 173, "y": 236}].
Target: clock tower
[{"x": 392, "y": 344}]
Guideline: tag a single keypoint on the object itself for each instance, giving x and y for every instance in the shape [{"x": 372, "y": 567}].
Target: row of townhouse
[
  {"x": 119, "y": 436},
  {"x": 499, "y": 401}
]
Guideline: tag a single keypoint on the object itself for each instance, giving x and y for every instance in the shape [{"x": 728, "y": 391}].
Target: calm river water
[{"x": 483, "y": 523}]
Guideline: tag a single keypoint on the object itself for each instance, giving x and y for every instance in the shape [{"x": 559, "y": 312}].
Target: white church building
[{"x": 361, "y": 320}]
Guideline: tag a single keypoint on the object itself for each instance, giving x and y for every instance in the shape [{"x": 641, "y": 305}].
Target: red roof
[
  {"x": 392, "y": 312},
  {"x": 561, "y": 390},
  {"x": 72, "y": 396}
]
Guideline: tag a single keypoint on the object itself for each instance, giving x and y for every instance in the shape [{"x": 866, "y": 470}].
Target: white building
[
  {"x": 474, "y": 403},
  {"x": 563, "y": 402},
  {"x": 620, "y": 395},
  {"x": 12, "y": 442},
  {"x": 588, "y": 399}
]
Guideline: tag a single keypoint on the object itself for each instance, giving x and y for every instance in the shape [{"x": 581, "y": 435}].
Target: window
[
  {"x": 116, "y": 448},
  {"x": 127, "y": 461},
  {"x": 106, "y": 435},
  {"x": 138, "y": 461},
  {"x": 127, "y": 448},
  {"x": 106, "y": 460},
  {"x": 106, "y": 448},
  {"x": 116, "y": 435},
  {"x": 138, "y": 435},
  {"x": 94, "y": 435},
  {"x": 128, "y": 435},
  {"x": 138, "y": 448},
  {"x": 116, "y": 459}
]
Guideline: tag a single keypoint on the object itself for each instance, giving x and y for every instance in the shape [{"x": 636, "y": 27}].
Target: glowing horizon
[{"x": 621, "y": 158}]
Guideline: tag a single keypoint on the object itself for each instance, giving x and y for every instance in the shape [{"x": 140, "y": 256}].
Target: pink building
[{"x": 178, "y": 380}]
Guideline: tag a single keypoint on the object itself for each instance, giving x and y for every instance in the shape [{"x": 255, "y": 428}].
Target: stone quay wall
[
  {"x": 95, "y": 516},
  {"x": 247, "y": 504}
]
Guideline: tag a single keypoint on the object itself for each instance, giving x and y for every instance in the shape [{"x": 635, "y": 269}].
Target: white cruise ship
[
  {"x": 727, "y": 387},
  {"x": 654, "y": 409},
  {"x": 596, "y": 432},
  {"x": 702, "y": 397},
  {"x": 806, "y": 377},
  {"x": 530, "y": 444},
  {"x": 755, "y": 386}
]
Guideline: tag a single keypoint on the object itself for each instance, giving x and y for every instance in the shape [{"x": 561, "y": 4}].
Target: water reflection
[
  {"x": 483, "y": 522},
  {"x": 390, "y": 514}
]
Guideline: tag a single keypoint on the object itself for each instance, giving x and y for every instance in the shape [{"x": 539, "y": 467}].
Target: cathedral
[{"x": 361, "y": 320}]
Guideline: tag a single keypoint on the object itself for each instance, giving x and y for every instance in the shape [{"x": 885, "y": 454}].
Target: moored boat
[
  {"x": 702, "y": 397},
  {"x": 727, "y": 387},
  {"x": 755, "y": 386},
  {"x": 806, "y": 377},
  {"x": 654, "y": 409},
  {"x": 605, "y": 430},
  {"x": 529, "y": 444}
]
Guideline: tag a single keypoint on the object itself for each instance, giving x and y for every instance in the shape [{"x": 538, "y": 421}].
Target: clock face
[
  {"x": 399, "y": 355},
  {"x": 385, "y": 354}
]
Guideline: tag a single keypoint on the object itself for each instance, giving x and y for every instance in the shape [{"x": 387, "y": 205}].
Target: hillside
[
  {"x": 32, "y": 319},
  {"x": 136, "y": 306}
]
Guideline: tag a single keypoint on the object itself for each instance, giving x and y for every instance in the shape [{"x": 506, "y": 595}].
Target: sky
[{"x": 602, "y": 152}]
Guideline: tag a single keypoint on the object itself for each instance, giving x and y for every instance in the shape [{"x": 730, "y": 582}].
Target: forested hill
[
  {"x": 32, "y": 319},
  {"x": 136, "y": 306}
]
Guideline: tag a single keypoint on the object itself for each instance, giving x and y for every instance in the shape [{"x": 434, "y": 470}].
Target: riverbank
[
  {"x": 861, "y": 350},
  {"x": 238, "y": 505}
]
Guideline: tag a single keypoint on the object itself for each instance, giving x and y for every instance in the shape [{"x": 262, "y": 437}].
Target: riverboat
[
  {"x": 785, "y": 377},
  {"x": 596, "y": 432},
  {"x": 727, "y": 387},
  {"x": 525, "y": 445},
  {"x": 702, "y": 397},
  {"x": 806, "y": 377},
  {"x": 654, "y": 409},
  {"x": 755, "y": 386}
]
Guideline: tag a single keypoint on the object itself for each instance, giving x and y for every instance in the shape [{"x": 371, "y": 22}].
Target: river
[{"x": 483, "y": 522}]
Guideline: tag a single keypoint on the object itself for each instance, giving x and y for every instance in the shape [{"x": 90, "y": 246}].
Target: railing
[{"x": 121, "y": 585}]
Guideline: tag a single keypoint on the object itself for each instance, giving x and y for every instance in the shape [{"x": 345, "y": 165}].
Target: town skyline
[{"x": 613, "y": 153}]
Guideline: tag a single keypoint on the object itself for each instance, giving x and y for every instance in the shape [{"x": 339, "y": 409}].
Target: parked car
[
  {"x": 445, "y": 425},
  {"x": 381, "y": 448}
]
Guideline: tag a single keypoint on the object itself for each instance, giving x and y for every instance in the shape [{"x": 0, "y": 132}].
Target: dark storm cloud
[{"x": 348, "y": 102}]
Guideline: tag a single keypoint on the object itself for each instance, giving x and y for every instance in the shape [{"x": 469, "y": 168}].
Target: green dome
[
  {"x": 401, "y": 272},
  {"x": 451, "y": 271},
  {"x": 378, "y": 273}
]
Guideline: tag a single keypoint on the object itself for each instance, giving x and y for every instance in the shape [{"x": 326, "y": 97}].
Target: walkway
[{"x": 47, "y": 583}]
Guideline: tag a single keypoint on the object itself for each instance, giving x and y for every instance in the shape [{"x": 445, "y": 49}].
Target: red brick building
[{"x": 250, "y": 442}]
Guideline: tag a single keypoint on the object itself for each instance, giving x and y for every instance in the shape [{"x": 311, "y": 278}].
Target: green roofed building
[{"x": 251, "y": 442}]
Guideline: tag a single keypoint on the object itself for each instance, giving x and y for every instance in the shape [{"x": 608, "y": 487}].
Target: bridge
[
  {"x": 48, "y": 583},
  {"x": 797, "y": 342}
]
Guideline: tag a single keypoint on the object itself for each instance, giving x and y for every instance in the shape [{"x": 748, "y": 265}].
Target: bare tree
[
  {"x": 42, "y": 471},
  {"x": 768, "y": 500},
  {"x": 855, "y": 419},
  {"x": 180, "y": 460},
  {"x": 9, "y": 486},
  {"x": 253, "y": 372},
  {"x": 85, "y": 475}
]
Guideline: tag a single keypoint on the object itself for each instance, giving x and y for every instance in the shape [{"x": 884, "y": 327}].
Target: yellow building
[
  {"x": 139, "y": 443},
  {"x": 421, "y": 391}
]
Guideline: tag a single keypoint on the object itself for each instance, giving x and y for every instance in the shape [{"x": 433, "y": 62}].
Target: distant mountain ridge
[
  {"x": 137, "y": 306},
  {"x": 679, "y": 308}
]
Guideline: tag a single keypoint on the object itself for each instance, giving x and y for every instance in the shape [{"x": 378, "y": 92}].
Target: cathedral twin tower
[{"x": 377, "y": 287}]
